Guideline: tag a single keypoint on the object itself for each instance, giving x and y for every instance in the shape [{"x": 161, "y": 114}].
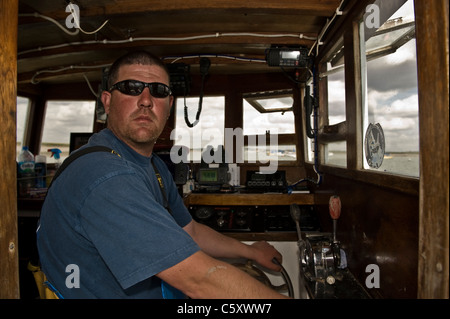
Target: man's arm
[
  {"x": 201, "y": 276},
  {"x": 218, "y": 245}
]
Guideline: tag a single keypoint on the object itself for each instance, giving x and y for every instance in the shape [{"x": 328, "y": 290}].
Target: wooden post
[
  {"x": 433, "y": 80},
  {"x": 9, "y": 261}
]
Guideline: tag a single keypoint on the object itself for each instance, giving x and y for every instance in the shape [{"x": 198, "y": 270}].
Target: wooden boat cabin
[{"x": 284, "y": 112}]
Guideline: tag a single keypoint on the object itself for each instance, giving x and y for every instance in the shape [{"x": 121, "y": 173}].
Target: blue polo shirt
[{"x": 103, "y": 225}]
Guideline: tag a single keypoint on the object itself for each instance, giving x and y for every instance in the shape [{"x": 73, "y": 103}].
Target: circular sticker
[{"x": 374, "y": 145}]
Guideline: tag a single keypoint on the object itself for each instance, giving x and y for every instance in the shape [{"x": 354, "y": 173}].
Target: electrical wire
[
  {"x": 316, "y": 130},
  {"x": 318, "y": 181},
  {"x": 62, "y": 69},
  {"x": 77, "y": 20},
  {"x": 37, "y": 15},
  {"x": 175, "y": 58},
  {"x": 205, "y": 63},
  {"x": 318, "y": 42},
  {"x": 219, "y": 56},
  {"x": 59, "y": 25},
  {"x": 188, "y": 38},
  {"x": 90, "y": 86}
]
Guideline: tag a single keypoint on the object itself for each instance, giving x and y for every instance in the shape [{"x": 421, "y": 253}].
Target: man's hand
[
  {"x": 218, "y": 245},
  {"x": 264, "y": 253}
]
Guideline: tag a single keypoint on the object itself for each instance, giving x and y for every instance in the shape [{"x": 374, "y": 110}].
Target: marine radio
[
  {"x": 257, "y": 181},
  {"x": 180, "y": 79},
  {"x": 288, "y": 57},
  {"x": 213, "y": 176}
]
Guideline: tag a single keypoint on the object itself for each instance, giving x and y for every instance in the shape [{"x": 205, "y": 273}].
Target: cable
[
  {"x": 90, "y": 86},
  {"x": 76, "y": 19},
  {"x": 205, "y": 63},
  {"x": 131, "y": 39},
  {"x": 316, "y": 130},
  {"x": 62, "y": 69},
  {"x": 314, "y": 133},
  {"x": 37, "y": 15},
  {"x": 219, "y": 56},
  {"x": 318, "y": 42},
  {"x": 286, "y": 278}
]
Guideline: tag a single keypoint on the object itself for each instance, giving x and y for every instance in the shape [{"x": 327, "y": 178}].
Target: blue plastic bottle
[
  {"x": 26, "y": 173},
  {"x": 56, "y": 155},
  {"x": 40, "y": 167}
]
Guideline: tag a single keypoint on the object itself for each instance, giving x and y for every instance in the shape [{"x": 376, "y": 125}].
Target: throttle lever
[
  {"x": 335, "y": 211},
  {"x": 295, "y": 215}
]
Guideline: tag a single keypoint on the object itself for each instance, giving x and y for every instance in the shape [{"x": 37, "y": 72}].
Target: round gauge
[
  {"x": 374, "y": 145},
  {"x": 241, "y": 213},
  {"x": 203, "y": 213},
  {"x": 241, "y": 222}
]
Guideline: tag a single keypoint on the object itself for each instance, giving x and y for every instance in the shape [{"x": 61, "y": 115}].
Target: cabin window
[
  {"x": 23, "y": 106},
  {"x": 61, "y": 119},
  {"x": 308, "y": 125},
  {"x": 390, "y": 94},
  {"x": 271, "y": 114},
  {"x": 332, "y": 80},
  {"x": 209, "y": 131},
  {"x": 269, "y": 111},
  {"x": 336, "y": 152}
]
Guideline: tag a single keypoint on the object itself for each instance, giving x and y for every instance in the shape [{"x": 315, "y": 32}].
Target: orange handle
[{"x": 335, "y": 206}]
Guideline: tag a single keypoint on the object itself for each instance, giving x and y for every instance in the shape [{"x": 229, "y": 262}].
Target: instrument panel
[{"x": 254, "y": 218}]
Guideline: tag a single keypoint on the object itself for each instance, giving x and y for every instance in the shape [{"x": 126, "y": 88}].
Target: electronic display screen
[
  {"x": 208, "y": 175},
  {"x": 290, "y": 55},
  {"x": 258, "y": 177}
]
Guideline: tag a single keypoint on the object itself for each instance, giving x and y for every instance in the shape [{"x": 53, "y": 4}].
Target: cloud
[
  {"x": 336, "y": 97},
  {"x": 63, "y": 117},
  {"x": 392, "y": 97},
  {"x": 397, "y": 71},
  {"x": 21, "y": 114},
  {"x": 259, "y": 123},
  {"x": 392, "y": 103}
]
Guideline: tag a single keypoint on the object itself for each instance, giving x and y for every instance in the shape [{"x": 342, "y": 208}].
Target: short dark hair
[{"x": 135, "y": 57}]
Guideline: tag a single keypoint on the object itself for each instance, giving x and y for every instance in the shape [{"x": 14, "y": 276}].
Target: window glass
[
  {"x": 270, "y": 114},
  {"x": 391, "y": 117},
  {"x": 336, "y": 153},
  {"x": 23, "y": 105},
  {"x": 259, "y": 114},
  {"x": 61, "y": 119},
  {"x": 336, "y": 97},
  {"x": 208, "y": 131},
  {"x": 268, "y": 152},
  {"x": 309, "y": 125}
]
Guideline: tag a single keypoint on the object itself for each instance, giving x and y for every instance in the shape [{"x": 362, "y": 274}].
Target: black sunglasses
[{"x": 135, "y": 87}]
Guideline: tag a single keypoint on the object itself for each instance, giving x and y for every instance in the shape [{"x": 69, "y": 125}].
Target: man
[{"x": 104, "y": 231}]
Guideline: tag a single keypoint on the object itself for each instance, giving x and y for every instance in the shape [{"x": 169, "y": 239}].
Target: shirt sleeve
[{"x": 133, "y": 233}]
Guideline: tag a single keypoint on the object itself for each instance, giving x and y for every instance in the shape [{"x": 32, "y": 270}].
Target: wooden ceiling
[{"x": 172, "y": 28}]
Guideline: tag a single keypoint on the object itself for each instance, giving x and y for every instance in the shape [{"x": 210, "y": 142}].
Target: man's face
[{"x": 138, "y": 120}]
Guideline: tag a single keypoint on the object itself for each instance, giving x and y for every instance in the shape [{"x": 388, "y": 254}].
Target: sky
[
  {"x": 393, "y": 97},
  {"x": 392, "y": 94},
  {"x": 61, "y": 117},
  {"x": 392, "y": 100}
]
